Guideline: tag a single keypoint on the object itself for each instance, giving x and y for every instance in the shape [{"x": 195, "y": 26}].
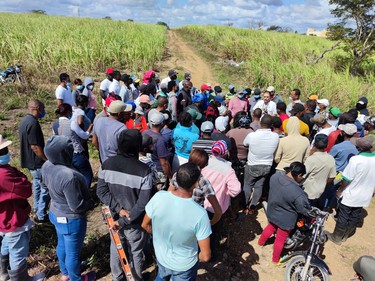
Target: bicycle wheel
[{"x": 294, "y": 270}]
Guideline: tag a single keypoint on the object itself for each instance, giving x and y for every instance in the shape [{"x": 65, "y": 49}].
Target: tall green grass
[
  {"x": 53, "y": 43},
  {"x": 279, "y": 59}
]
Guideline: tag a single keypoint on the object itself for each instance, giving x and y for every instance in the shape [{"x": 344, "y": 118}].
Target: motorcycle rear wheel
[{"x": 294, "y": 269}]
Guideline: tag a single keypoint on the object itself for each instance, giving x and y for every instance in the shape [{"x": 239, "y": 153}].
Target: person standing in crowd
[
  {"x": 320, "y": 172},
  {"x": 293, "y": 147},
  {"x": 294, "y": 98},
  {"x": 205, "y": 142},
  {"x": 104, "y": 85},
  {"x": 160, "y": 154},
  {"x": 254, "y": 99},
  {"x": 62, "y": 93},
  {"x": 172, "y": 76},
  {"x": 257, "y": 114},
  {"x": 281, "y": 111},
  {"x": 92, "y": 105},
  {"x": 356, "y": 191},
  {"x": 115, "y": 87},
  {"x": 107, "y": 129},
  {"x": 70, "y": 200},
  {"x": 297, "y": 111},
  {"x": 309, "y": 113},
  {"x": 172, "y": 99},
  {"x": 184, "y": 97},
  {"x": 124, "y": 185},
  {"x": 176, "y": 236},
  {"x": 273, "y": 96},
  {"x": 79, "y": 87},
  {"x": 322, "y": 105},
  {"x": 266, "y": 105},
  {"x": 369, "y": 126},
  {"x": 320, "y": 120},
  {"x": 126, "y": 91},
  {"x": 262, "y": 145},
  {"x": 361, "y": 106},
  {"x": 237, "y": 104},
  {"x": 333, "y": 116},
  {"x": 32, "y": 156},
  {"x": 15, "y": 224},
  {"x": 285, "y": 202}
]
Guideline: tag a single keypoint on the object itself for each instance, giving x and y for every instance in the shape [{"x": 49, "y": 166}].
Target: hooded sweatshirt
[
  {"x": 70, "y": 197},
  {"x": 172, "y": 105},
  {"x": 88, "y": 93},
  {"x": 293, "y": 147}
]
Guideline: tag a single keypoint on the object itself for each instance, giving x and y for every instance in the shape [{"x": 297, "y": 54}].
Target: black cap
[
  {"x": 218, "y": 89},
  {"x": 297, "y": 108}
]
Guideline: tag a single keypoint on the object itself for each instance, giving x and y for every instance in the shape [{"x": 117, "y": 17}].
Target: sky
[{"x": 297, "y": 15}]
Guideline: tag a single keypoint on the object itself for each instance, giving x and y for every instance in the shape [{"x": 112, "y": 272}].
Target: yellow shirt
[{"x": 303, "y": 130}]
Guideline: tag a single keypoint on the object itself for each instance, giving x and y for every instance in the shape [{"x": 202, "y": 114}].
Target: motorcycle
[
  {"x": 307, "y": 265},
  {"x": 12, "y": 74}
]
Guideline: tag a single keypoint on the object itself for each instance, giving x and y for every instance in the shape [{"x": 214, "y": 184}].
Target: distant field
[
  {"x": 279, "y": 59},
  {"x": 55, "y": 43}
]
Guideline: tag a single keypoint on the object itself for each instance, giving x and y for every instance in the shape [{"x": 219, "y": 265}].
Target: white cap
[
  {"x": 325, "y": 102},
  {"x": 271, "y": 89}
]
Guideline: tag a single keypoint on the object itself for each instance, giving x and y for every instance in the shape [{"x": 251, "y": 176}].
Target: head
[
  {"x": 82, "y": 101},
  {"x": 364, "y": 144},
  {"x": 319, "y": 119},
  {"x": 321, "y": 142},
  {"x": 172, "y": 86},
  {"x": 257, "y": 113},
  {"x": 257, "y": 92},
  {"x": 147, "y": 144},
  {"x": 266, "y": 121},
  {"x": 117, "y": 75},
  {"x": 126, "y": 79},
  {"x": 361, "y": 103},
  {"x": 64, "y": 78},
  {"x": 369, "y": 124},
  {"x": 354, "y": 113},
  {"x": 297, "y": 110},
  {"x": 36, "y": 108},
  {"x": 346, "y": 118},
  {"x": 281, "y": 108},
  {"x": 364, "y": 268},
  {"x": 172, "y": 74},
  {"x": 334, "y": 113},
  {"x": 59, "y": 150},
  {"x": 207, "y": 127},
  {"x": 129, "y": 143},
  {"x": 219, "y": 148},
  {"x": 64, "y": 110},
  {"x": 218, "y": 89},
  {"x": 347, "y": 130},
  {"x": 187, "y": 76},
  {"x": 157, "y": 120},
  {"x": 296, "y": 170},
  {"x": 78, "y": 84},
  {"x": 119, "y": 110},
  {"x": 276, "y": 122},
  {"x": 109, "y": 73},
  {"x": 295, "y": 94},
  {"x": 162, "y": 103},
  {"x": 144, "y": 101},
  {"x": 310, "y": 105},
  {"x": 267, "y": 97},
  {"x": 271, "y": 90},
  {"x": 187, "y": 176},
  {"x": 185, "y": 119},
  {"x": 323, "y": 104},
  {"x": 231, "y": 89},
  {"x": 187, "y": 86},
  {"x": 199, "y": 157}
]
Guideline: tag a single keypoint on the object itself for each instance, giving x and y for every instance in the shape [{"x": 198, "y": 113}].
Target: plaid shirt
[{"x": 203, "y": 190}]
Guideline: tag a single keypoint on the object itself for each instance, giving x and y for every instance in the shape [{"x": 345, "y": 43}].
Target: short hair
[
  {"x": 162, "y": 101},
  {"x": 77, "y": 81},
  {"x": 346, "y": 118},
  {"x": 187, "y": 175},
  {"x": 82, "y": 100},
  {"x": 281, "y": 106},
  {"x": 171, "y": 84},
  {"x": 64, "y": 109},
  {"x": 353, "y": 112},
  {"x": 237, "y": 117},
  {"x": 276, "y": 122},
  {"x": 199, "y": 157},
  {"x": 64, "y": 76},
  {"x": 297, "y": 92},
  {"x": 266, "y": 121},
  {"x": 311, "y": 104},
  {"x": 186, "y": 119},
  {"x": 257, "y": 112},
  {"x": 321, "y": 141},
  {"x": 296, "y": 168},
  {"x": 116, "y": 73}
]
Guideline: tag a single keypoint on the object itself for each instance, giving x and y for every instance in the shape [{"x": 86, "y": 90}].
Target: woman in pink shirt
[{"x": 237, "y": 104}]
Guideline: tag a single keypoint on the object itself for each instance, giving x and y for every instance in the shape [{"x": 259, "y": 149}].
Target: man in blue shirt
[{"x": 179, "y": 225}]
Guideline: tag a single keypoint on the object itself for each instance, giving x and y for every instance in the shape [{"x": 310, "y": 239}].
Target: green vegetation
[
  {"x": 45, "y": 43},
  {"x": 283, "y": 60}
]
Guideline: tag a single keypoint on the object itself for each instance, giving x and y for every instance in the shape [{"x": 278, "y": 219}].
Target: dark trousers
[{"x": 349, "y": 217}]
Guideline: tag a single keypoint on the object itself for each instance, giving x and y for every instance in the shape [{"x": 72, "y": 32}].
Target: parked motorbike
[
  {"x": 307, "y": 265},
  {"x": 12, "y": 74}
]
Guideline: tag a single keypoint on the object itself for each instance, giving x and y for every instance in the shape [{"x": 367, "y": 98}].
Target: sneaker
[{"x": 39, "y": 221}]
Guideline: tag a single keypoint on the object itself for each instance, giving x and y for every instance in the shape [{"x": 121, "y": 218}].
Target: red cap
[
  {"x": 109, "y": 100},
  {"x": 109, "y": 71},
  {"x": 205, "y": 87}
]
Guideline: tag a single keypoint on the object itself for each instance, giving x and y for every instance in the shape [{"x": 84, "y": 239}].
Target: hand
[
  {"x": 115, "y": 226},
  {"x": 124, "y": 213}
]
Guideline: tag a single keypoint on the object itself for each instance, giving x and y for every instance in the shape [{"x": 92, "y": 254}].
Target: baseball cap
[
  {"x": 205, "y": 87},
  {"x": 4, "y": 143},
  {"x": 139, "y": 110},
  {"x": 118, "y": 106},
  {"x": 219, "y": 148},
  {"x": 365, "y": 143},
  {"x": 363, "y": 100},
  {"x": 187, "y": 75},
  {"x": 222, "y": 109},
  {"x": 335, "y": 111},
  {"x": 297, "y": 108},
  {"x": 349, "y": 129},
  {"x": 207, "y": 127},
  {"x": 144, "y": 99},
  {"x": 257, "y": 92},
  {"x": 325, "y": 102},
  {"x": 109, "y": 71},
  {"x": 133, "y": 105},
  {"x": 231, "y": 86},
  {"x": 218, "y": 89},
  {"x": 198, "y": 97},
  {"x": 194, "y": 114},
  {"x": 157, "y": 118},
  {"x": 172, "y": 72},
  {"x": 271, "y": 89},
  {"x": 319, "y": 119},
  {"x": 221, "y": 123},
  {"x": 313, "y": 97}
]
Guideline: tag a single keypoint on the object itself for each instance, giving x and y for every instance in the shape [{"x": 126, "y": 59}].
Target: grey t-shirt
[{"x": 107, "y": 130}]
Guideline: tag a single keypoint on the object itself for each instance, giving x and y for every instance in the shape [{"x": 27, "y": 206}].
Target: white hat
[
  {"x": 349, "y": 129},
  {"x": 207, "y": 127},
  {"x": 324, "y": 102},
  {"x": 221, "y": 123},
  {"x": 4, "y": 143},
  {"x": 139, "y": 110},
  {"x": 222, "y": 109},
  {"x": 271, "y": 89},
  {"x": 118, "y": 106},
  {"x": 157, "y": 118}
]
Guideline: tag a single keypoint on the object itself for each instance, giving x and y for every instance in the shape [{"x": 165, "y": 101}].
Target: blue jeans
[
  {"x": 82, "y": 164},
  {"x": 165, "y": 274},
  {"x": 41, "y": 195},
  {"x": 70, "y": 238},
  {"x": 16, "y": 246}
]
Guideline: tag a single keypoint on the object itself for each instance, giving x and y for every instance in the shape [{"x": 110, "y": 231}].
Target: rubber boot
[
  {"x": 4, "y": 263},
  {"x": 20, "y": 274},
  {"x": 350, "y": 231},
  {"x": 338, "y": 234}
]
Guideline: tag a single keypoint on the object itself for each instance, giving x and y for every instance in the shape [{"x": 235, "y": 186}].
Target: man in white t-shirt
[
  {"x": 266, "y": 105},
  {"x": 172, "y": 75},
  {"x": 115, "y": 85},
  {"x": 104, "y": 85},
  {"x": 262, "y": 145},
  {"x": 63, "y": 93},
  {"x": 356, "y": 191}
]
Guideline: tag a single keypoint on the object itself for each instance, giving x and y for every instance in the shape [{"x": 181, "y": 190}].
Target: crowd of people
[{"x": 174, "y": 159}]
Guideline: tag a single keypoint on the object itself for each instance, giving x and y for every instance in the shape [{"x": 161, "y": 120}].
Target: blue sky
[{"x": 294, "y": 14}]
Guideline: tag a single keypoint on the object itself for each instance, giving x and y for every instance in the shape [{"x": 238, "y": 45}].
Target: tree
[
  {"x": 355, "y": 29},
  {"x": 39, "y": 12},
  {"x": 107, "y": 18},
  {"x": 163, "y": 23}
]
